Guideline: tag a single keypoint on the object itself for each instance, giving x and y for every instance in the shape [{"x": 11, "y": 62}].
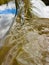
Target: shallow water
[
  {"x": 7, "y": 14},
  {"x": 29, "y": 43}
]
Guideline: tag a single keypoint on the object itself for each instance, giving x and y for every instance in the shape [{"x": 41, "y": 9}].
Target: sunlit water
[{"x": 7, "y": 14}]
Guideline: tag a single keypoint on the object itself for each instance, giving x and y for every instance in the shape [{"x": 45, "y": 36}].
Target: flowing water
[
  {"x": 26, "y": 44},
  {"x": 7, "y": 15}
]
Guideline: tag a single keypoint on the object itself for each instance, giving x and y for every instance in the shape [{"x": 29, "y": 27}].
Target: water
[
  {"x": 7, "y": 15},
  {"x": 9, "y": 11}
]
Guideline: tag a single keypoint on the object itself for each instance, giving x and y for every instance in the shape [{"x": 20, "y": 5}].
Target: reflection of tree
[
  {"x": 4, "y": 1},
  {"x": 24, "y": 45}
]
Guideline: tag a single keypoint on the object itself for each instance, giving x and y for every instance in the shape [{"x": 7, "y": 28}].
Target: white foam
[
  {"x": 6, "y": 20},
  {"x": 39, "y": 9}
]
